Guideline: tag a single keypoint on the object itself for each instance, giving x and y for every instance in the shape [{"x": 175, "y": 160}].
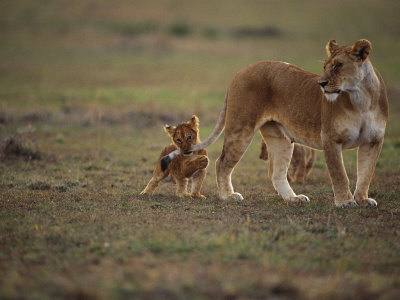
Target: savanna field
[{"x": 85, "y": 89}]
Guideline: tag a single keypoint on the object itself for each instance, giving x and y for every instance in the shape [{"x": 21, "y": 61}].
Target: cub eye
[
  {"x": 189, "y": 138},
  {"x": 179, "y": 141}
]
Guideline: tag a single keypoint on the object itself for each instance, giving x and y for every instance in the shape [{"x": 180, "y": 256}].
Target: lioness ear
[
  {"x": 331, "y": 47},
  {"x": 194, "y": 122},
  {"x": 361, "y": 49},
  {"x": 169, "y": 129}
]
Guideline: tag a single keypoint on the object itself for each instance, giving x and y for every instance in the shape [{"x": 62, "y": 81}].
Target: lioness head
[
  {"x": 184, "y": 135},
  {"x": 343, "y": 69}
]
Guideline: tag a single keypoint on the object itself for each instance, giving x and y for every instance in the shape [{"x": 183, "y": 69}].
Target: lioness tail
[{"x": 219, "y": 127}]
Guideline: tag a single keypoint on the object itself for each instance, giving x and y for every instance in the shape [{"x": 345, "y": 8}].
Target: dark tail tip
[{"x": 165, "y": 162}]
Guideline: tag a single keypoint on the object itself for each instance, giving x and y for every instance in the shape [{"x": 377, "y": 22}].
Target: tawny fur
[
  {"x": 183, "y": 167},
  {"x": 345, "y": 108},
  {"x": 302, "y": 161}
]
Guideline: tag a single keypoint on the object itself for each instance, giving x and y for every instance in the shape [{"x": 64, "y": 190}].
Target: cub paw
[
  {"x": 369, "y": 202},
  {"x": 299, "y": 198},
  {"x": 348, "y": 203},
  {"x": 202, "y": 161}
]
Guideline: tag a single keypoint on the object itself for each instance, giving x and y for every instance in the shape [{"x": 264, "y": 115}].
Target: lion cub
[
  {"x": 303, "y": 160},
  {"x": 189, "y": 165}
]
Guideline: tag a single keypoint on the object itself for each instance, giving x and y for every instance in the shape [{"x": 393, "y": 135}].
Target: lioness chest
[{"x": 354, "y": 129}]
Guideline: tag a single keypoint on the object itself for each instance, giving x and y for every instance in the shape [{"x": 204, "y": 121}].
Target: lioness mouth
[{"x": 333, "y": 92}]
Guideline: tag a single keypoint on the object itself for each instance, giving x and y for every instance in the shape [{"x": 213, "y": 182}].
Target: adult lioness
[{"x": 344, "y": 108}]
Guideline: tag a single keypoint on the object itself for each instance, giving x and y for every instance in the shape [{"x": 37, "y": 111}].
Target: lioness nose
[{"x": 322, "y": 82}]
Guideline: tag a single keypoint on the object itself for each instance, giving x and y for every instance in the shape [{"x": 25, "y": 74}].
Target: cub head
[
  {"x": 343, "y": 69},
  {"x": 184, "y": 135}
]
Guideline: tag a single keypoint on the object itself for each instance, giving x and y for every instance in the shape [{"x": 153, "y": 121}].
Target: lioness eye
[
  {"x": 338, "y": 66},
  {"x": 179, "y": 141},
  {"x": 189, "y": 138}
]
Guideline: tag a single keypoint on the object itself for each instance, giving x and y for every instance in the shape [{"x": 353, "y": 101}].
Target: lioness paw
[
  {"x": 369, "y": 202},
  {"x": 299, "y": 198},
  {"x": 237, "y": 196},
  {"x": 234, "y": 196},
  {"x": 345, "y": 204}
]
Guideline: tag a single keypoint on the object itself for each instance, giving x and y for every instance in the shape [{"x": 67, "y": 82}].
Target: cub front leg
[
  {"x": 181, "y": 187},
  {"x": 193, "y": 164},
  {"x": 337, "y": 173},
  {"x": 197, "y": 183},
  {"x": 367, "y": 156}
]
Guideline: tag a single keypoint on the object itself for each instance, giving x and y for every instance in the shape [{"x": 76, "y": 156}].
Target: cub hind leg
[
  {"x": 280, "y": 151},
  {"x": 154, "y": 181}
]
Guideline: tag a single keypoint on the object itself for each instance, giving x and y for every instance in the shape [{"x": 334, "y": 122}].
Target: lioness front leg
[
  {"x": 367, "y": 157},
  {"x": 337, "y": 173}
]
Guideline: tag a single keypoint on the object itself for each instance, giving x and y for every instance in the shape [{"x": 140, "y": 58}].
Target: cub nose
[{"x": 322, "y": 82}]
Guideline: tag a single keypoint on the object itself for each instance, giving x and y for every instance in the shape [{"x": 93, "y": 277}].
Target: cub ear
[
  {"x": 331, "y": 47},
  {"x": 361, "y": 49},
  {"x": 169, "y": 129},
  {"x": 194, "y": 122}
]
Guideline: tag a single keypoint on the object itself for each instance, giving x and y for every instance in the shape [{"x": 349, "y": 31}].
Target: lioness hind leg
[
  {"x": 367, "y": 157},
  {"x": 311, "y": 160},
  {"x": 280, "y": 153},
  {"x": 299, "y": 164},
  {"x": 235, "y": 144}
]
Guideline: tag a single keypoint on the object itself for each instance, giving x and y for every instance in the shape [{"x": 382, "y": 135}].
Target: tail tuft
[{"x": 165, "y": 162}]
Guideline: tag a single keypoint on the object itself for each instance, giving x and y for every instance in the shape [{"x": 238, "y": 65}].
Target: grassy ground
[{"x": 86, "y": 86}]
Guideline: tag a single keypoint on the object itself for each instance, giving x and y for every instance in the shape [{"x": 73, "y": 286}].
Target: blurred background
[
  {"x": 141, "y": 64},
  {"x": 127, "y": 53}
]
